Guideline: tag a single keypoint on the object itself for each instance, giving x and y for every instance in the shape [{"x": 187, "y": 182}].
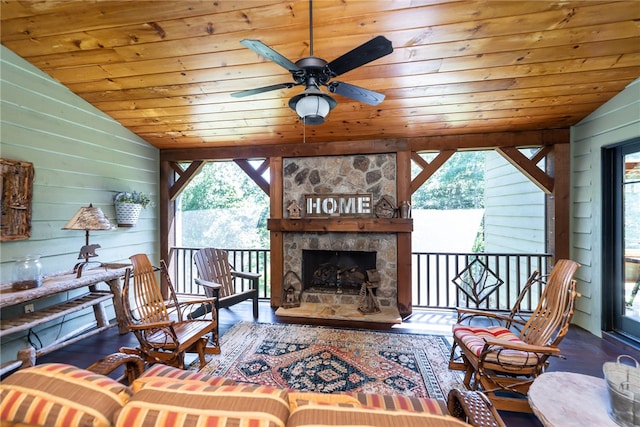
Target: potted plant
[{"x": 128, "y": 206}]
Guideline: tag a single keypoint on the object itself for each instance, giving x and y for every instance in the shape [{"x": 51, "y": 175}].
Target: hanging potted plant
[{"x": 128, "y": 206}]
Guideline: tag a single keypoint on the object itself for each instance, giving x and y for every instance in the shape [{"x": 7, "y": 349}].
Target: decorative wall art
[{"x": 16, "y": 189}]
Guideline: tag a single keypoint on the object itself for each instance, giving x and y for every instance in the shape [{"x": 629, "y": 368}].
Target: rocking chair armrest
[
  {"x": 207, "y": 284},
  {"x": 245, "y": 275},
  {"x": 520, "y": 346},
  {"x": 474, "y": 408},
  {"x": 199, "y": 301},
  {"x": 134, "y": 365},
  {"x": 151, "y": 325}
]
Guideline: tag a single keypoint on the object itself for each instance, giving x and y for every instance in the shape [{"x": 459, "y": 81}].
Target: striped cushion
[
  {"x": 402, "y": 403},
  {"x": 301, "y": 398},
  {"x": 160, "y": 371},
  {"x": 314, "y": 415},
  {"x": 56, "y": 394},
  {"x": 175, "y": 403},
  {"x": 473, "y": 337}
]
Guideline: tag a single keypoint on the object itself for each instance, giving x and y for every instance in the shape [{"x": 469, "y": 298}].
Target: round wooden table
[{"x": 566, "y": 399}]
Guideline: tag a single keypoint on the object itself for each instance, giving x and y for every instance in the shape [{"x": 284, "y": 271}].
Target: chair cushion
[
  {"x": 322, "y": 414},
  {"x": 172, "y": 403},
  {"x": 473, "y": 338},
  {"x": 56, "y": 394},
  {"x": 160, "y": 371}
]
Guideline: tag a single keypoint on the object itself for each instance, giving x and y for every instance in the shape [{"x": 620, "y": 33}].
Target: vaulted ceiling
[{"x": 166, "y": 69}]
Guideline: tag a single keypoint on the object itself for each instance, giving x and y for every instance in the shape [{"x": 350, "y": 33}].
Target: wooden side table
[{"x": 567, "y": 399}]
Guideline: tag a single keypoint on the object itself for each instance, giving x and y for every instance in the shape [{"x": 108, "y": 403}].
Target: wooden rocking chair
[
  {"x": 218, "y": 278},
  {"x": 162, "y": 326},
  {"x": 504, "y": 362}
]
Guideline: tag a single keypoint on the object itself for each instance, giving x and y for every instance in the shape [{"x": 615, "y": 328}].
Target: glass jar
[{"x": 27, "y": 272}]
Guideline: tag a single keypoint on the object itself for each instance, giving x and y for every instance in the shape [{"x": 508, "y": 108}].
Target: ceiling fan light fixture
[{"x": 312, "y": 106}]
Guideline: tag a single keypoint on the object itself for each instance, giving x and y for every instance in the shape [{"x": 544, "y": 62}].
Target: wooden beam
[
  {"x": 167, "y": 219},
  {"x": 254, "y": 174},
  {"x": 308, "y": 149},
  {"x": 428, "y": 168},
  {"x": 276, "y": 238},
  {"x": 483, "y": 141},
  {"x": 185, "y": 178},
  {"x": 527, "y": 167}
]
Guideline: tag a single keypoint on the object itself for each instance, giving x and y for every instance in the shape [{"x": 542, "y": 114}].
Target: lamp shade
[
  {"x": 89, "y": 218},
  {"x": 312, "y": 106}
]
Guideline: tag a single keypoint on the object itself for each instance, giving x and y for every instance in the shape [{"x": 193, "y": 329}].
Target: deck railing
[
  {"x": 183, "y": 269},
  {"x": 434, "y": 276}
]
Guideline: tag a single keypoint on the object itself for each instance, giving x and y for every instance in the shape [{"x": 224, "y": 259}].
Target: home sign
[{"x": 323, "y": 205}]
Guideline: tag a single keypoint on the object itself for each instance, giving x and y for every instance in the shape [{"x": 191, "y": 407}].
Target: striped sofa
[{"x": 63, "y": 395}]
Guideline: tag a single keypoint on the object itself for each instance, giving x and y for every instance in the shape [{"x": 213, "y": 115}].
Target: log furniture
[
  {"x": 219, "y": 280},
  {"x": 60, "y": 284},
  {"x": 164, "y": 327},
  {"x": 504, "y": 364}
]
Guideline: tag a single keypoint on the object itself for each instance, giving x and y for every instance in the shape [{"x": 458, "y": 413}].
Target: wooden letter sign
[{"x": 323, "y": 205}]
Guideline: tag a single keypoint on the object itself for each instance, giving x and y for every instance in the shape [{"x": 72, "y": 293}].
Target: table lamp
[{"x": 88, "y": 218}]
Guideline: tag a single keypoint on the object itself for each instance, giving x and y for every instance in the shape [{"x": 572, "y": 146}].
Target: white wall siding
[
  {"x": 80, "y": 156},
  {"x": 514, "y": 215},
  {"x": 616, "y": 121}
]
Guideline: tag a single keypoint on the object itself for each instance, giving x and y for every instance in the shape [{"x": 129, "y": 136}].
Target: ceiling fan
[{"x": 313, "y": 105}]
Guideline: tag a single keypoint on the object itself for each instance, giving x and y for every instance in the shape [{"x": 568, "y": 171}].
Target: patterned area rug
[{"x": 323, "y": 359}]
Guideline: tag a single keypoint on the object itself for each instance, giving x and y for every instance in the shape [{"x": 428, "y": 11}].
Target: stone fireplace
[
  {"x": 373, "y": 174},
  {"x": 382, "y": 244},
  {"x": 336, "y": 271}
]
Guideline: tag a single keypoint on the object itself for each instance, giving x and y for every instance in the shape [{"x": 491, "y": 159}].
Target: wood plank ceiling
[{"x": 166, "y": 69}]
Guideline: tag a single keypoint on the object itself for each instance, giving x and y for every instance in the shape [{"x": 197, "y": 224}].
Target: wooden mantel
[{"x": 342, "y": 225}]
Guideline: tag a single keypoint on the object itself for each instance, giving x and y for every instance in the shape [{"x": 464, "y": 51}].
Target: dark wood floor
[{"x": 584, "y": 352}]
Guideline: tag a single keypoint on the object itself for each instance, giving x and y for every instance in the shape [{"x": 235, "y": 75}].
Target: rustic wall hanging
[{"x": 16, "y": 189}]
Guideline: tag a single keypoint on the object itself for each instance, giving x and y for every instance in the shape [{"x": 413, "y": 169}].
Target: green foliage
[
  {"x": 458, "y": 184},
  {"x": 222, "y": 206},
  {"x": 135, "y": 197}
]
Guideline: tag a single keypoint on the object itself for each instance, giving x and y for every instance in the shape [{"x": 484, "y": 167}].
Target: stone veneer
[{"x": 374, "y": 174}]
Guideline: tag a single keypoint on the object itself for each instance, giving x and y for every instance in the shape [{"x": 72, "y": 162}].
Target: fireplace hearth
[{"x": 329, "y": 271}]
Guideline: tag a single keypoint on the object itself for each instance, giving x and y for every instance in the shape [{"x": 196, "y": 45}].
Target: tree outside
[
  {"x": 451, "y": 201},
  {"x": 223, "y": 207}
]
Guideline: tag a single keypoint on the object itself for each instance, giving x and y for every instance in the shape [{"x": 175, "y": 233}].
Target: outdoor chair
[
  {"x": 163, "y": 326},
  {"x": 220, "y": 280},
  {"x": 504, "y": 359}
]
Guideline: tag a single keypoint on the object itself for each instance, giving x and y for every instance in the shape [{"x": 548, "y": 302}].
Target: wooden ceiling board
[{"x": 166, "y": 70}]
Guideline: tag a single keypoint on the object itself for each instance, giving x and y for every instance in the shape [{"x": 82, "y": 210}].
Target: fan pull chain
[
  {"x": 310, "y": 27},
  {"x": 304, "y": 130}
]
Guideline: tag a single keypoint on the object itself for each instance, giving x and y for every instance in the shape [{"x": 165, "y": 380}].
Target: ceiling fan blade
[
  {"x": 262, "y": 89},
  {"x": 363, "y": 54},
  {"x": 355, "y": 92},
  {"x": 264, "y": 50}
]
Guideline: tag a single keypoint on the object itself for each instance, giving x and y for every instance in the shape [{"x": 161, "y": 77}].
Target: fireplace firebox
[{"x": 328, "y": 271}]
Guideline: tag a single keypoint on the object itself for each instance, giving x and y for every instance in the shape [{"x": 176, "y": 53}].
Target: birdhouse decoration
[
  {"x": 385, "y": 207},
  {"x": 291, "y": 290},
  {"x": 295, "y": 212}
]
